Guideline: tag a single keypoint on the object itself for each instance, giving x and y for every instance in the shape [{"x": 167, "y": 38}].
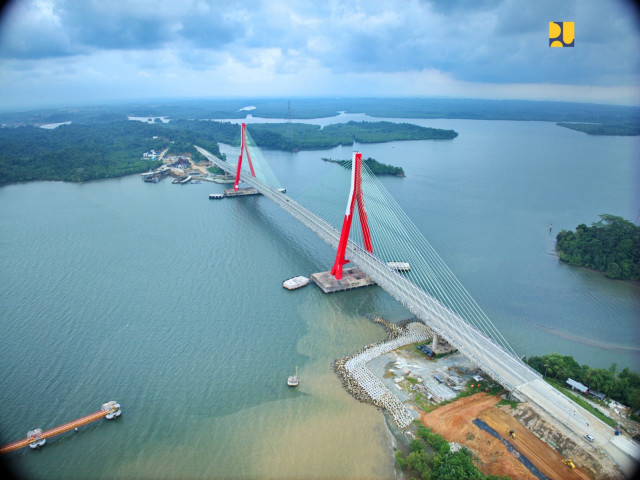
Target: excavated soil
[{"x": 454, "y": 423}]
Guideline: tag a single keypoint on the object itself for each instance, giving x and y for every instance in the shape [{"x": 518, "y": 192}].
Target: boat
[
  {"x": 399, "y": 266},
  {"x": 293, "y": 381},
  {"x": 216, "y": 196},
  {"x": 295, "y": 282}
]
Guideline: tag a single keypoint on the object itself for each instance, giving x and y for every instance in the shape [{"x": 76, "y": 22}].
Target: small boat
[
  {"x": 295, "y": 282},
  {"x": 399, "y": 266},
  {"x": 293, "y": 381}
]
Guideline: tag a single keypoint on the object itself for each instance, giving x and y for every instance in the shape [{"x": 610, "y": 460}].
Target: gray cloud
[{"x": 490, "y": 41}]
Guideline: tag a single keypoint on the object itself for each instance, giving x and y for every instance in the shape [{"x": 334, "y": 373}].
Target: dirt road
[{"x": 454, "y": 423}]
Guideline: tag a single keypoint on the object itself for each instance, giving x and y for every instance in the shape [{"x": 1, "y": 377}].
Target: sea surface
[{"x": 172, "y": 304}]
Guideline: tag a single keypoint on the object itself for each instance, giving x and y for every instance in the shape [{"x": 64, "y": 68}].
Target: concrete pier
[
  {"x": 230, "y": 192},
  {"x": 352, "y": 277}
]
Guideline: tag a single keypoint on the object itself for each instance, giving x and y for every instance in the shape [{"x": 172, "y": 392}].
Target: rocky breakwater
[{"x": 360, "y": 382}]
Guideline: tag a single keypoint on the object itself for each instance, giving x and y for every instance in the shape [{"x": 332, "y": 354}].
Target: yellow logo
[{"x": 561, "y": 34}]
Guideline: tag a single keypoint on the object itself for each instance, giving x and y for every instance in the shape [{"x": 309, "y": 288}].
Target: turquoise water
[{"x": 171, "y": 304}]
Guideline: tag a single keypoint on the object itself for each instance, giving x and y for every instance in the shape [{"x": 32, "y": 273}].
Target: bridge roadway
[{"x": 521, "y": 380}]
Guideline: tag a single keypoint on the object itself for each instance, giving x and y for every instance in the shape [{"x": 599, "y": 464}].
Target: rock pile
[{"x": 358, "y": 380}]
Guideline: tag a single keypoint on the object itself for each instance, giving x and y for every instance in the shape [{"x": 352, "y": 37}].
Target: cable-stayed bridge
[{"x": 429, "y": 290}]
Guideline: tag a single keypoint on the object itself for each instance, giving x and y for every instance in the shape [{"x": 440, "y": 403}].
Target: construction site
[
  {"x": 448, "y": 394},
  {"x": 514, "y": 440}
]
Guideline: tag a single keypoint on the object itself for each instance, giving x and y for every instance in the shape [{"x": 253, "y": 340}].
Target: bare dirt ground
[{"x": 454, "y": 423}]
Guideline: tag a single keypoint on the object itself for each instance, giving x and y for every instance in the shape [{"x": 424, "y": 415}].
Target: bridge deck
[{"x": 504, "y": 367}]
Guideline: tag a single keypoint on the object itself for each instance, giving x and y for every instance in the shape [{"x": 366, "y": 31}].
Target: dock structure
[
  {"x": 352, "y": 277},
  {"x": 36, "y": 438},
  {"x": 230, "y": 192}
]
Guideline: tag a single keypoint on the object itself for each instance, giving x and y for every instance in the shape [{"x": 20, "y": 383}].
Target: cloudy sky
[{"x": 75, "y": 51}]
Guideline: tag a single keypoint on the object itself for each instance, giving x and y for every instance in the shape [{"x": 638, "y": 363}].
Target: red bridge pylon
[
  {"x": 355, "y": 195},
  {"x": 243, "y": 147}
]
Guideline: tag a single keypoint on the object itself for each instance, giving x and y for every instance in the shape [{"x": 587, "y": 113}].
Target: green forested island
[
  {"x": 376, "y": 167},
  {"x": 623, "y": 129},
  {"x": 112, "y": 148},
  {"x": 611, "y": 245},
  {"x": 301, "y": 136}
]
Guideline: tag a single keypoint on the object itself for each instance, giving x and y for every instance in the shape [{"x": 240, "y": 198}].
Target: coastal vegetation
[
  {"x": 611, "y": 245},
  {"x": 79, "y": 152},
  {"x": 623, "y": 386},
  {"x": 300, "y": 136},
  {"x": 431, "y": 458},
  {"x": 624, "y": 129},
  {"x": 327, "y": 107},
  {"x": 75, "y": 152},
  {"x": 82, "y": 152},
  {"x": 377, "y": 168},
  {"x": 293, "y": 137}
]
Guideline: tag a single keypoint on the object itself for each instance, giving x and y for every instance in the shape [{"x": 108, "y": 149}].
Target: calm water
[{"x": 172, "y": 304}]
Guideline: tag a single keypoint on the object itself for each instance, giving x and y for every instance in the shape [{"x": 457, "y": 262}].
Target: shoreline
[
  {"x": 371, "y": 374},
  {"x": 366, "y": 387}
]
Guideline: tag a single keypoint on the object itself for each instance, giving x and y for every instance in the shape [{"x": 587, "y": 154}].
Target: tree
[
  {"x": 611, "y": 245},
  {"x": 455, "y": 466}
]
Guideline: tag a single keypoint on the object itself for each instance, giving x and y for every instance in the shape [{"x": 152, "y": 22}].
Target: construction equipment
[
  {"x": 512, "y": 434},
  {"x": 568, "y": 462}
]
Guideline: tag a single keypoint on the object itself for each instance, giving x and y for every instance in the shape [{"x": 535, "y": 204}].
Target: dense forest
[
  {"x": 623, "y": 129},
  {"x": 292, "y": 137},
  {"x": 79, "y": 153},
  {"x": 611, "y": 245},
  {"x": 430, "y": 457},
  {"x": 328, "y": 107},
  {"x": 623, "y": 386},
  {"x": 300, "y": 136},
  {"x": 377, "y": 168}
]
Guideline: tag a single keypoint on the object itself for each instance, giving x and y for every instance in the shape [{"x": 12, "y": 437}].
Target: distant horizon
[{"x": 168, "y": 100}]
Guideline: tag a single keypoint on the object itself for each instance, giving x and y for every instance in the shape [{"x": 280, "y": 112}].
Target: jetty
[
  {"x": 352, "y": 277},
  {"x": 230, "y": 192},
  {"x": 36, "y": 438},
  {"x": 360, "y": 382}
]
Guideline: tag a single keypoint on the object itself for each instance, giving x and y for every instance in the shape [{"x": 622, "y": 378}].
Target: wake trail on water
[{"x": 588, "y": 341}]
